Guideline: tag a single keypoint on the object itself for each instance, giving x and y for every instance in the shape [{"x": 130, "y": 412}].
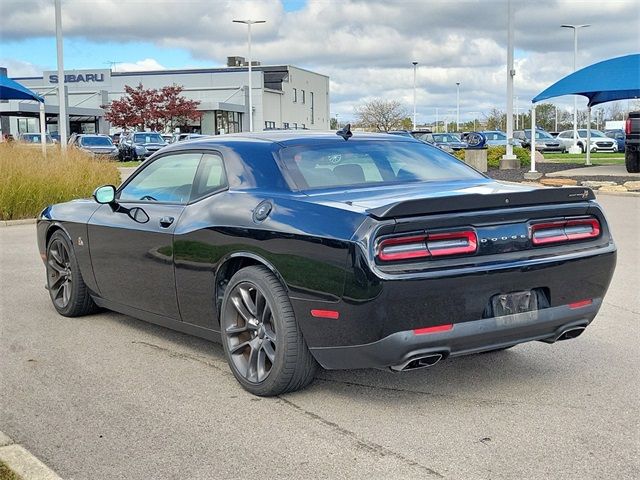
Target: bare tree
[
  {"x": 495, "y": 119},
  {"x": 381, "y": 115}
]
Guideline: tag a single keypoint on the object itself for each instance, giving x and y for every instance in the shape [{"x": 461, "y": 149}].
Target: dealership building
[{"x": 283, "y": 96}]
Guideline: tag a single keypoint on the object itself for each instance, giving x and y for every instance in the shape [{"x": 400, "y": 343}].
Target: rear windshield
[
  {"x": 96, "y": 142},
  {"x": 368, "y": 163},
  {"x": 147, "y": 138}
]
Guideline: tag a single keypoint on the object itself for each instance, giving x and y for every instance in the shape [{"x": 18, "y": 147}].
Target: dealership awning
[
  {"x": 12, "y": 90},
  {"x": 614, "y": 79}
]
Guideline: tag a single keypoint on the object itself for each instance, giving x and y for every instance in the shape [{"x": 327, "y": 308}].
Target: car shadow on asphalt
[{"x": 462, "y": 376}]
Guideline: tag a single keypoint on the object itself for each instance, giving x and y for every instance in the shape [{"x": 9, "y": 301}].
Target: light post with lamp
[{"x": 248, "y": 23}]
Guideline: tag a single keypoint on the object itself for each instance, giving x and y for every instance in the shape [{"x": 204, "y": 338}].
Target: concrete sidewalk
[{"x": 599, "y": 171}]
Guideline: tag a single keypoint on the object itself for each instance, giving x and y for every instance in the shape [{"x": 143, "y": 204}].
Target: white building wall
[{"x": 210, "y": 87}]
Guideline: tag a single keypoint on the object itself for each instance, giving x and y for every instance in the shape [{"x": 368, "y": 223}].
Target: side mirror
[{"x": 105, "y": 194}]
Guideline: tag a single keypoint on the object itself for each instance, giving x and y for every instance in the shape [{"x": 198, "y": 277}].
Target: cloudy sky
[{"x": 366, "y": 47}]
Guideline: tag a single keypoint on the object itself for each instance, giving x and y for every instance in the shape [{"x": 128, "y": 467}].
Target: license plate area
[{"x": 514, "y": 302}]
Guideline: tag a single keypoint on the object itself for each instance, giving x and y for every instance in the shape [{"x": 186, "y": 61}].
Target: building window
[
  {"x": 285, "y": 125},
  {"x": 302, "y": 93},
  {"x": 313, "y": 120},
  {"x": 269, "y": 125},
  {"x": 295, "y": 95},
  {"x": 228, "y": 122}
]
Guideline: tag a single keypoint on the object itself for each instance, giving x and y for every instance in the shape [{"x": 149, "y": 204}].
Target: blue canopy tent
[
  {"x": 12, "y": 90},
  {"x": 614, "y": 79}
]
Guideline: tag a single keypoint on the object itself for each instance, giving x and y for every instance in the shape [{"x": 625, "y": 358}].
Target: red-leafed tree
[{"x": 151, "y": 108}]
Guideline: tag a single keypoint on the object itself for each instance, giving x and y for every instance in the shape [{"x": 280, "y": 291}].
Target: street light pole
[
  {"x": 509, "y": 160},
  {"x": 415, "y": 73},
  {"x": 457, "y": 106},
  {"x": 62, "y": 98},
  {"x": 574, "y": 148},
  {"x": 248, "y": 23}
]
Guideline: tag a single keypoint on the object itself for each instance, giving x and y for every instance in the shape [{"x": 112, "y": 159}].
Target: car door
[{"x": 131, "y": 241}]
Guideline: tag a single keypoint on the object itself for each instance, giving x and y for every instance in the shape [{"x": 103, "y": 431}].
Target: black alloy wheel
[
  {"x": 59, "y": 274},
  {"x": 251, "y": 337},
  {"x": 261, "y": 337},
  {"x": 69, "y": 294}
]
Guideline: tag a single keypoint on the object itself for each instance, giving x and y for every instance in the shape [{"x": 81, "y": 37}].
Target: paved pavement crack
[
  {"x": 475, "y": 401},
  {"x": 186, "y": 356},
  {"x": 621, "y": 308},
  {"x": 368, "y": 445}
]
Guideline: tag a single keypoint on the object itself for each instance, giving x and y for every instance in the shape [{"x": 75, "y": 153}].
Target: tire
[
  {"x": 69, "y": 294},
  {"x": 261, "y": 337},
  {"x": 582, "y": 149},
  {"x": 632, "y": 161}
]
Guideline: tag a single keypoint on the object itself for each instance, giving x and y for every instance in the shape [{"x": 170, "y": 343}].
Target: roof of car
[{"x": 293, "y": 136}]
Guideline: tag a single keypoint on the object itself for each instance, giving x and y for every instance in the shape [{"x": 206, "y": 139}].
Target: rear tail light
[
  {"x": 627, "y": 126},
  {"x": 564, "y": 231},
  {"x": 428, "y": 245}
]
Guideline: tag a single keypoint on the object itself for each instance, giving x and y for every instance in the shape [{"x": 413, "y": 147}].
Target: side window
[
  {"x": 168, "y": 179},
  {"x": 211, "y": 176}
]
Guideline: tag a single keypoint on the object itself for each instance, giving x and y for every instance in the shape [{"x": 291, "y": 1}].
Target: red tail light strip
[
  {"x": 580, "y": 304},
  {"x": 564, "y": 231},
  {"x": 432, "y": 245},
  {"x": 331, "y": 314},
  {"x": 436, "y": 329}
]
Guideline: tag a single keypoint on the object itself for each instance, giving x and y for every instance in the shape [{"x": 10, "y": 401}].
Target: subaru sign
[{"x": 81, "y": 77}]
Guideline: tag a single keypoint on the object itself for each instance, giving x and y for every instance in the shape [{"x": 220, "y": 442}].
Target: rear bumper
[{"x": 463, "y": 339}]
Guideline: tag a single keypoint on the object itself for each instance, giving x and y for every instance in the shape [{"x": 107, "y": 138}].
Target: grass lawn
[
  {"x": 600, "y": 158},
  {"x": 128, "y": 164},
  {"x": 7, "y": 474}
]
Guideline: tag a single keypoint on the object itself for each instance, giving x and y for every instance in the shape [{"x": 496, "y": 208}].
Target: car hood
[{"x": 99, "y": 149}]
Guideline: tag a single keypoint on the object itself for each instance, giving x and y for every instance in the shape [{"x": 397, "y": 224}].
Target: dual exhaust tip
[
  {"x": 426, "y": 361},
  {"x": 415, "y": 363}
]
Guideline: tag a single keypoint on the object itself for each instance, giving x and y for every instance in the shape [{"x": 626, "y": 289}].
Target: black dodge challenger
[{"x": 299, "y": 249}]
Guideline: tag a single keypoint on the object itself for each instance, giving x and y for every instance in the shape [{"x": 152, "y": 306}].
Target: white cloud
[
  {"x": 366, "y": 47},
  {"x": 19, "y": 68},
  {"x": 148, "y": 64}
]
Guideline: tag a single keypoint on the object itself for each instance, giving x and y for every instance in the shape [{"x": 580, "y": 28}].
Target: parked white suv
[{"x": 599, "y": 141}]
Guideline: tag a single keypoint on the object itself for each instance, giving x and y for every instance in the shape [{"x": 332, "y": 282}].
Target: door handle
[{"x": 166, "y": 222}]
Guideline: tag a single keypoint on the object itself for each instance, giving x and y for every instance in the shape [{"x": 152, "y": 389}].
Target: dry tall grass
[{"x": 29, "y": 182}]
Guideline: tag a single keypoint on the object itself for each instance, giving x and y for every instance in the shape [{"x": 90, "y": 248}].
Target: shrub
[
  {"x": 29, "y": 181},
  {"x": 494, "y": 154}
]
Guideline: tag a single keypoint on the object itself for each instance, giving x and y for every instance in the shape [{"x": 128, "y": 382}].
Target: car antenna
[{"x": 345, "y": 132}]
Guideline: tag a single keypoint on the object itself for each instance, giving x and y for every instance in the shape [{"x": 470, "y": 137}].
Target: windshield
[
  {"x": 35, "y": 138},
  {"x": 368, "y": 163},
  {"x": 96, "y": 142},
  {"x": 445, "y": 138},
  {"x": 594, "y": 133},
  {"x": 539, "y": 134},
  {"x": 148, "y": 138}
]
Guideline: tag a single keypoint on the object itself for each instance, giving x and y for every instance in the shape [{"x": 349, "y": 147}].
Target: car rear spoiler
[{"x": 475, "y": 201}]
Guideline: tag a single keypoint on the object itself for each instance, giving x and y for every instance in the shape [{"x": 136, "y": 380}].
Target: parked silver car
[
  {"x": 599, "y": 141},
  {"x": 496, "y": 137},
  {"x": 99, "y": 145}
]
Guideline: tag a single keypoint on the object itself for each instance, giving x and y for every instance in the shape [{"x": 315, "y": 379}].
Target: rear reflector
[
  {"x": 332, "y": 314},
  {"x": 436, "y": 329},
  {"x": 581, "y": 303},
  {"x": 431, "y": 245},
  {"x": 564, "y": 231}
]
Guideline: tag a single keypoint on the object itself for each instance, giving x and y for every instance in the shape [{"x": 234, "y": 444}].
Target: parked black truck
[{"x": 632, "y": 146}]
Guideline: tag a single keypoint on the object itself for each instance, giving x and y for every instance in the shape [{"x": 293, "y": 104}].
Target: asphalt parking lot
[{"x": 108, "y": 396}]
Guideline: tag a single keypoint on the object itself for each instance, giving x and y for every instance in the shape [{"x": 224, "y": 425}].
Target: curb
[
  {"x": 11, "y": 223},
  {"x": 21, "y": 462}
]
